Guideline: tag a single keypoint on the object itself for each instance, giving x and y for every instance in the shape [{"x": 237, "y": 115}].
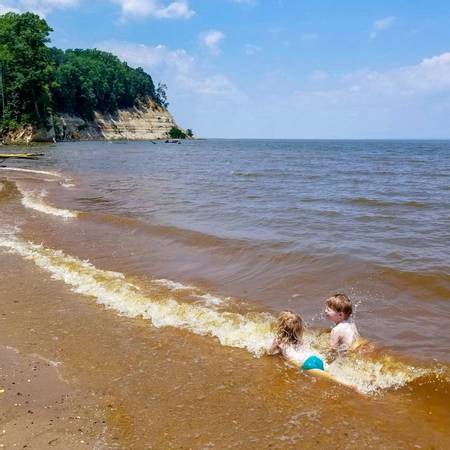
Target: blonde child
[{"x": 288, "y": 343}]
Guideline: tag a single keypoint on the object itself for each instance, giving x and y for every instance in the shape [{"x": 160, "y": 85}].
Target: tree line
[{"x": 37, "y": 81}]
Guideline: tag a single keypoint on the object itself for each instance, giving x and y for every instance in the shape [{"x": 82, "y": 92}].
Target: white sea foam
[
  {"x": 207, "y": 299},
  {"x": 211, "y": 300},
  {"x": 251, "y": 331},
  {"x": 37, "y": 203},
  {"x": 66, "y": 182},
  {"x": 114, "y": 291},
  {"x": 40, "y": 172},
  {"x": 172, "y": 285}
]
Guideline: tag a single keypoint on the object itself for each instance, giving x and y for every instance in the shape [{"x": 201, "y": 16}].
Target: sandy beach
[{"x": 40, "y": 409}]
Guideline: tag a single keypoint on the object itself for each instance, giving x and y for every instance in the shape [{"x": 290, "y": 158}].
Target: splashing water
[{"x": 251, "y": 331}]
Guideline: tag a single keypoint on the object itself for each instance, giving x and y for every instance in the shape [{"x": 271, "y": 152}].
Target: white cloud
[
  {"x": 200, "y": 97},
  {"x": 382, "y": 24},
  {"x": 155, "y": 8},
  {"x": 41, "y": 7},
  {"x": 211, "y": 40},
  {"x": 6, "y": 8},
  {"x": 410, "y": 101},
  {"x": 177, "y": 68},
  {"x": 431, "y": 75}
]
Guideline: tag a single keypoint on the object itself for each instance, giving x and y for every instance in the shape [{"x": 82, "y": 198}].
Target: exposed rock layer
[{"x": 146, "y": 122}]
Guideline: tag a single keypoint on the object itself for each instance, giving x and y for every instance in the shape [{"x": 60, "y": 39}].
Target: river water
[{"x": 206, "y": 241}]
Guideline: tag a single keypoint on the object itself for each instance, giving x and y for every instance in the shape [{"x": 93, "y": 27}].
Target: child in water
[
  {"x": 344, "y": 335},
  {"x": 288, "y": 343}
]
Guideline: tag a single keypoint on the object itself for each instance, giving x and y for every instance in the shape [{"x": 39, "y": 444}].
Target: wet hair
[
  {"x": 340, "y": 303},
  {"x": 289, "y": 328}
]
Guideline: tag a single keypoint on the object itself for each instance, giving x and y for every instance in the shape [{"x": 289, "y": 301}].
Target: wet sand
[{"x": 40, "y": 409}]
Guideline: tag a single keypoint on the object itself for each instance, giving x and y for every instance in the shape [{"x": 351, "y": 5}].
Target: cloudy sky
[{"x": 278, "y": 68}]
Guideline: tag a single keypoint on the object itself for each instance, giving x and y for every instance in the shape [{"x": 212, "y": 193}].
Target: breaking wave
[
  {"x": 39, "y": 172},
  {"x": 64, "y": 181},
  {"x": 251, "y": 331},
  {"x": 36, "y": 202}
]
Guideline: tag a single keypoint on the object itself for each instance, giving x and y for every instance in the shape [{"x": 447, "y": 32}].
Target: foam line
[
  {"x": 40, "y": 172},
  {"x": 250, "y": 331},
  {"x": 34, "y": 202}
]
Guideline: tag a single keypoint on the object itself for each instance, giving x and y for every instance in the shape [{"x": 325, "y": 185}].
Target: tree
[
  {"x": 92, "y": 80},
  {"x": 161, "y": 95},
  {"x": 36, "y": 81},
  {"x": 26, "y": 69},
  {"x": 176, "y": 133},
  {"x": 189, "y": 133}
]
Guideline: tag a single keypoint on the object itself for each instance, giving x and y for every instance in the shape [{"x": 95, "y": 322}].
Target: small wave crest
[
  {"x": 210, "y": 300},
  {"x": 239, "y": 173},
  {"x": 65, "y": 182},
  {"x": 36, "y": 202},
  {"x": 384, "y": 372},
  {"x": 39, "y": 172},
  {"x": 251, "y": 331},
  {"x": 363, "y": 201}
]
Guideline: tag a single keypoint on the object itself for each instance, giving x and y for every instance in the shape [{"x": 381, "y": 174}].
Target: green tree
[
  {"x": 36, "y": 81},
  {"x": 91, "y": 80},
  {"x": 161, "y": 95},
  {"x": 26, "y": 69},
  {"x": 176, "y": 133}
]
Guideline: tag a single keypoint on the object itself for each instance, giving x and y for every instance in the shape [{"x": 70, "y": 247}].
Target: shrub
[{"x": 176, "y": 133}]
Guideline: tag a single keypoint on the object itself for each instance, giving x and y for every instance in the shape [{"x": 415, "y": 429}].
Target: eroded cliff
[{"x": 148, "y": 121}]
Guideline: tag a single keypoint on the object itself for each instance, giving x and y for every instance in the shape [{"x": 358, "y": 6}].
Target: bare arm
[{"x": 336, "y": 341}]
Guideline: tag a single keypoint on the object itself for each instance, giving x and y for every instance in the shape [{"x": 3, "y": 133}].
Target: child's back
[{"x": 344, "y": 335}]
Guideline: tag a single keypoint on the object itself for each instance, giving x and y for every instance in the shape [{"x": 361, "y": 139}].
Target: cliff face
[{"x": 146, "y": 122}]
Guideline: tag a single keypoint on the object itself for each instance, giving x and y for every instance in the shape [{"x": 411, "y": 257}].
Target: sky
[{"x": 346, "y": 69}]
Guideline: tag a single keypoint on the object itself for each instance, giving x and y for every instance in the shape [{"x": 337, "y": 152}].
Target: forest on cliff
[{"x": 37, "y": 81}]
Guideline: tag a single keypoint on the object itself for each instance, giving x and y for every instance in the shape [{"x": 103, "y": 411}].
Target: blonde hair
[
  {"x": 340, "y": 303},
  {"x": 289, "y": 328}
]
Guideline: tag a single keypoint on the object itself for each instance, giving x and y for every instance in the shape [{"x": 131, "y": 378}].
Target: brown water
[{"x": 194, "y": 248}]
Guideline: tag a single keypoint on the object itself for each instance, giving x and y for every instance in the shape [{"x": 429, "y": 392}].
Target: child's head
[
  {"x": 289, "y": 328},
  {"x": 338, "y": 308}
]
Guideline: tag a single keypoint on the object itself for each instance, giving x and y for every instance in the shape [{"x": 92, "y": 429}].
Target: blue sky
[{"x": 278, "y": 68}]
